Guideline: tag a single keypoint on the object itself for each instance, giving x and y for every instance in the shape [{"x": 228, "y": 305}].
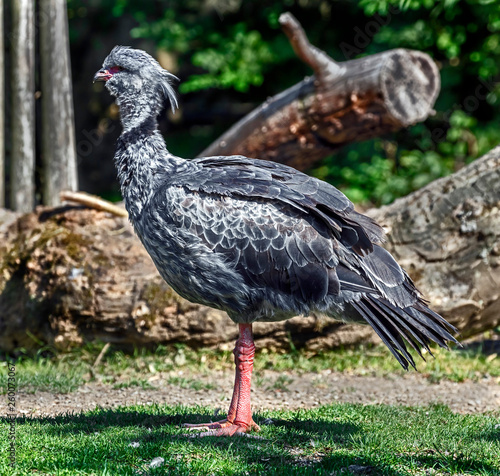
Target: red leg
[{"x": 239, "y": 418}]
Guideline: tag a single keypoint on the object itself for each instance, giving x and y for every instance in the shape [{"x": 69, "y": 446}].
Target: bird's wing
[
  {"x": 240, "y": 176},
  {"x": 287, "y": 232},
  {"x": 272, "y": 246},
  {"x": 281, "y": 229}
]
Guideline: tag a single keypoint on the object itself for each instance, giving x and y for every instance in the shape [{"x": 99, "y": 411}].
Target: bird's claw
[
  {"x": 232, "y": 430},
  {"x": 221, "y": 428},
  {"x": 211, "y": 425},
  {"x": 218, "y": 433}
]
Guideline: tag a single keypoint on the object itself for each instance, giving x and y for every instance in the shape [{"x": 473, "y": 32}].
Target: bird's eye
[{"x": 116, "y": 69}]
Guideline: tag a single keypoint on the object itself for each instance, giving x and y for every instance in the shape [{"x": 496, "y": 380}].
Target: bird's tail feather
[{"x": 417, "y": 324}]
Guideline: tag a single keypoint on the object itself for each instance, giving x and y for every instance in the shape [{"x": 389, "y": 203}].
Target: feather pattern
[{"x": 258, "y": 239}]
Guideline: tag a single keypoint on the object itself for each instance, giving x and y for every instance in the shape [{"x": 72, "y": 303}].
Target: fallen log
[
  {"x": 342, "y": 103},
  {"x": 70, "y": 275},
  {"x": 447, "y": 236}
]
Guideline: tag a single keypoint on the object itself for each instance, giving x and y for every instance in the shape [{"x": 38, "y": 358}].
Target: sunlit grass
[
  {"x": 331, "y": 440},
  {"x": 60, "y": 374},
  {"x": 456, "y": 365},
  {"x": 64, "y": 373},
  {"x": 189, "y": 383},
  {"x": 142, "y": 383}
]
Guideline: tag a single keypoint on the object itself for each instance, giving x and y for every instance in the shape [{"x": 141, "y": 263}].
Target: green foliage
[
  {"x": 382, "y": 170},
  {"x": 233, "y": 55},
  {"x": 235, "y": 58},
  {"x": 233, "y": 62},
  {"x": 464, "y": 38}
]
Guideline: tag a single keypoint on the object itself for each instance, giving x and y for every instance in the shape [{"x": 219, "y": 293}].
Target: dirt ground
[{"x": 272, "y": 390}]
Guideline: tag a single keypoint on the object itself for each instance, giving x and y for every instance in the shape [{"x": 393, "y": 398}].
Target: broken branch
[{"x": 93, "y": 201}]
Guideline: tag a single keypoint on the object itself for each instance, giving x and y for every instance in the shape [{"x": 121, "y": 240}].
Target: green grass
[
  {"x": 327, "y": 440},
  {"x": 63, "y": 373},
  {"x": 60, "y": 374},
  {"x": 190, "y": 383},
  {"x": 144, "y": 384}
]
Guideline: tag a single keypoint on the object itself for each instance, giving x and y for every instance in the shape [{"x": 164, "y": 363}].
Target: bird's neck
[
  {"x": 137, "y": 110},
  {"x": 143, "y": 161}
]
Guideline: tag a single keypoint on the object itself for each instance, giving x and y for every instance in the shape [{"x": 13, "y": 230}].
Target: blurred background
[{"x": 231, "y": 55}]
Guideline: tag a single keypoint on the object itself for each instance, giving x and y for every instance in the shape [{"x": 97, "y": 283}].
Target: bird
[{"x": 254, "y": 238}]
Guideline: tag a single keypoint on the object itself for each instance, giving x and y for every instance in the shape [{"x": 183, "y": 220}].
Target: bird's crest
[
  {"x": 167, "y": 89},
  {"x": 141, "y": 62}
]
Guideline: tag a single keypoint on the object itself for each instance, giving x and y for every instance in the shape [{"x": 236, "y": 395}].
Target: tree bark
[
  {"x": 22, "y": 174},
  {"x": 72, "y": 274},
  {"x": 447, "y": 236},
  {"x": 342, "y": 103},
  {"x": 58, "y": 128}
]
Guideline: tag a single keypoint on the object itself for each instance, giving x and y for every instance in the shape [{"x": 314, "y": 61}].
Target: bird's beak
[{"x": 102, "y": 75}]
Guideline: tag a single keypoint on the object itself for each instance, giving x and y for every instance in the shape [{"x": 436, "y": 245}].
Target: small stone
[
  {"x": 156, "y": 462},
  {"x": 75, "y": 273},
  {"x": 180, "y": 358},
  {"x": 134, "y": 444}
]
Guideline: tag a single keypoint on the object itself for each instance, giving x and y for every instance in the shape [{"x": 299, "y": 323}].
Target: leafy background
[{"x": 231, "y": 55}]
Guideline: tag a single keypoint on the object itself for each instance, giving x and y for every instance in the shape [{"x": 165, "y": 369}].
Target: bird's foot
[
  {"x": 223, "y": 428},
  {"x": 239, "y": 419},
  {"x": 211, "y": 425}
]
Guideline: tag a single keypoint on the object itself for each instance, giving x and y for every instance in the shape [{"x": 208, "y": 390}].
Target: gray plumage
[{"x": 256, "y": 239}]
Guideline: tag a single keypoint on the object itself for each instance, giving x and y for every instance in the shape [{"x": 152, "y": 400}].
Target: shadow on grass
[
  {"x": 283, "y": 447},
  {"x": 491, "y": 435},
  {"x": 485, "y": 347},
  {"x": 305, "y": 443}
]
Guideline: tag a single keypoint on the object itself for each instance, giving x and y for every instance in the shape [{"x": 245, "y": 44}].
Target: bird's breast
[{"x": 191, "y": 268}]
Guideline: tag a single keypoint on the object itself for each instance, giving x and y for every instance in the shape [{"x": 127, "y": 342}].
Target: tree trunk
[
  {"x": 58, "y": 135},
  {"x": 343, "y": 103},
  {"x": 447, "y": 236},
  {"x": 22, "y": 173},
  {"x": 70, "y": 275}
]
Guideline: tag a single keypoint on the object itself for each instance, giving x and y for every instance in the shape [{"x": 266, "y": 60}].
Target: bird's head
[{"x": 133, "y": 76}]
